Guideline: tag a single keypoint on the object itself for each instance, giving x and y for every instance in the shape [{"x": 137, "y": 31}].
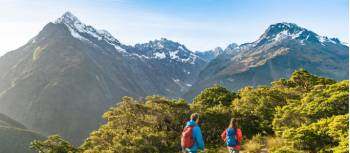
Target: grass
[
  {"x": 252, "y": 146},
  {"x": 37, "y": 52}
]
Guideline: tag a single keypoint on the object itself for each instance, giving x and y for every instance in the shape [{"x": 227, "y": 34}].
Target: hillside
[{"x": 15, "y": 138}]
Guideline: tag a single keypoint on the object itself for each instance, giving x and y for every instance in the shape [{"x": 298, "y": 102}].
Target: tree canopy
[{"x": 305, "y": 113}]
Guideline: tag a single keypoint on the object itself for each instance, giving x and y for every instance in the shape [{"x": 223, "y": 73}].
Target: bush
[
  {"x": 326, "y": 135},
  {"x": 213, "y": 122},
  {"x": 252, "y": 146},
  {"x": 256, "y": 108},
  {"x": 274, "y": 143},
  {"x": 286, "y": 149},
  {"x": 213, "y": 96},
  {"x": 137, "y": 126},
  {"x": 54, "y": 144},
  {"x": 259, "y": 139}
]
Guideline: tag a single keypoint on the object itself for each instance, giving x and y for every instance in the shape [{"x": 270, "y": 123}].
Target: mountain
[
  {"x": 15, "y": 138},
  {"x": 210, "y": 54},
  {"x": 63, "y": 79},
  {"x": 281, "y": 49}
]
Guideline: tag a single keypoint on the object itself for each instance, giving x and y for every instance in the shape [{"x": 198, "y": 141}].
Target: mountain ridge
[{"x": 281, "y": 49}]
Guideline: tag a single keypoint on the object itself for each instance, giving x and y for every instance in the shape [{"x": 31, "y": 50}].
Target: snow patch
[
  {"x": 181, "y": 48},
  {"x": 159, "y": 55},
  {"x": 76, "y": 34},
  {"x": 173, "y": 55},
  {"x": 118, "y": 48},
  {"x": 296, "y": 35}
]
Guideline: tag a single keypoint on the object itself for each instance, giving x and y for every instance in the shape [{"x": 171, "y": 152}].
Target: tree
[
  {"x": 305, "y": 81},
  {"x": 150, "y": 126},
  {"x": 326, "y": 135},
  {"x": 321, "y": 102},
  {"x": 54, "y": 144},
  {"x": 213, "y": 121},
  {"x": 216, "y": 95},
  {"x": 256, "y": 108}
]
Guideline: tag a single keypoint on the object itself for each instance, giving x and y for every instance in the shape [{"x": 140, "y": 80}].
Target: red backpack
[{"x": 186, "y": 137}]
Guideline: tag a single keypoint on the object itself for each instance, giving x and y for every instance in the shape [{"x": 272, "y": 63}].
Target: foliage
[
  {"x": 256, "y": 108},
  {"x": 304, "y": 81},
  {"x": 252, "y": 146},
  {"x": 54, "y": 144},
  {"x": 216, "y": 95},
  {"x": 286, "y": 149},
  {"x": 275, "y": 144},
  {"x": 304, "y": 113},
  {"x": 213, "y": 122},
  {"x": 135, "y": 126},
  {"x": 326, "y": 135},
  {"x": 321, "y": 102},
  {"x": 259, "y": 138}
]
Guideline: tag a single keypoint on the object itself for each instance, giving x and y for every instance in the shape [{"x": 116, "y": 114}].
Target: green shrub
[
  {"x": 286, "y": 149},
  {"x": 252, "y": 147}
]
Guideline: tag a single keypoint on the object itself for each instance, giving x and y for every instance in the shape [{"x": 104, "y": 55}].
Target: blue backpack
[{"x": 231, "y": 137}]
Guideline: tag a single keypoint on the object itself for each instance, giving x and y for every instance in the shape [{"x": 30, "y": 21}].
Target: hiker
[
  {"x": 232, "y": 136},
  {"x": 191, "y": 137}
]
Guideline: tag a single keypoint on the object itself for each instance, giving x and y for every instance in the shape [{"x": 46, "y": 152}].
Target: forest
[{"x": 304, "y": 113}]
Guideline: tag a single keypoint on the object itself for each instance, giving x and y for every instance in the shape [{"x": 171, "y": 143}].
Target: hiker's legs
[
  {"x": 230, "y": 150},
  {"x": 186, "y": 151}
]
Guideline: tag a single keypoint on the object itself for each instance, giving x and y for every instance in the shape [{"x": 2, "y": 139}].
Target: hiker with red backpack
[
  {"x": 232, "y": 136},
  {"x": 191, "y": 137}
]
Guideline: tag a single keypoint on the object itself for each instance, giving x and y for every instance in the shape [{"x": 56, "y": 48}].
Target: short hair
[{"x": 194, "y": 116}]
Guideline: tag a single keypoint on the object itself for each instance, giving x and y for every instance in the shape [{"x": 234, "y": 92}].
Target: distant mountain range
[
  {"x": 63, "y": 79},
  {"x": 281, "y": 49}
]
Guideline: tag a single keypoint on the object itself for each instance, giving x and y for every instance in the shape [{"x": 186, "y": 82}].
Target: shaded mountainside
[
  {"x": 15, "y": 138},
  {"x": 63, "y": 79},
  {"x": 283, "y": 48}
]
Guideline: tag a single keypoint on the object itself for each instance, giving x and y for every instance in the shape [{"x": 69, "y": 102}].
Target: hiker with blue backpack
[
  {"x": 232, "y": 136},
  {"x": 191, "y": 137}
]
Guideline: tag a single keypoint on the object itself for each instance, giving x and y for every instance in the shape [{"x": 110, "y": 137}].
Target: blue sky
[{"x": 199, "y": 24}]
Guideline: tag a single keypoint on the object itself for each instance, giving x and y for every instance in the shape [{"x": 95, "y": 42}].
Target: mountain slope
[
  {"x": 283, "y": 48},
  {"x": 63, "y": 79},
  {"x": 15, "y": 138}
]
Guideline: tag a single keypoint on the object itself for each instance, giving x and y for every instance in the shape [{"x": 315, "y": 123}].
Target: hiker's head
[
  {"x": 233, "y": 123},
  {"x": 195, "y": 117}
]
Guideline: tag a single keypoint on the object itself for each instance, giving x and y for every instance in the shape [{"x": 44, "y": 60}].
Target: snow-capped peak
[
  {"x": 67, "y": 18},
  {"x": 166, "y": 49},
  {"x": 281, "y": 31},
  {"x": 81, "y": 30}
]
